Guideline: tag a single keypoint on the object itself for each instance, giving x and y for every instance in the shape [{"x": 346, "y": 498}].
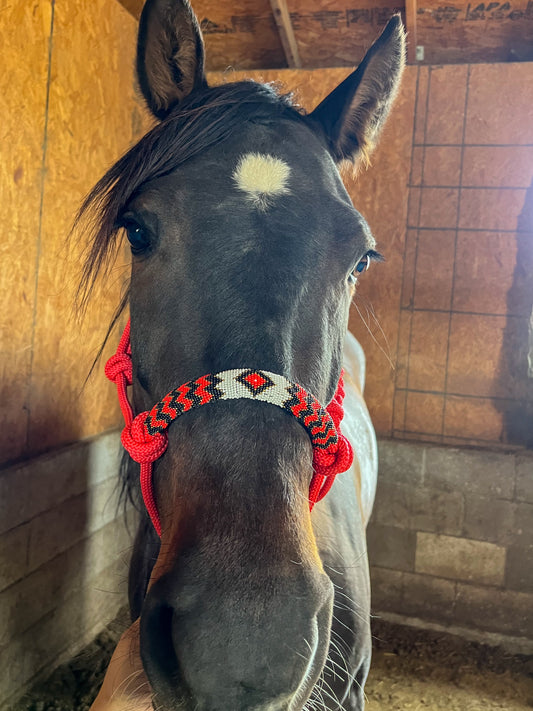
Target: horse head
[{"x": 245, "y": 254}]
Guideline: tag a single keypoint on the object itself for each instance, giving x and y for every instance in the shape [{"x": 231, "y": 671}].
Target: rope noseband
[{"x": 145, "y": 438}]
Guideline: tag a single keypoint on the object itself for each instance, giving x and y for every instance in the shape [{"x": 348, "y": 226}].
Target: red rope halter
[{"x": 145, "y": 439}]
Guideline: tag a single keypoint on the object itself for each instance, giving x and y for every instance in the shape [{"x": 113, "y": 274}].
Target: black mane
[{"x": 206, "y": 117}]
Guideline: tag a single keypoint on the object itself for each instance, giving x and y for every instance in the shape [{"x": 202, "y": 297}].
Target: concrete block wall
[
  {"x": 451, "y": 540},
  {"x": 63, "y": 559}
]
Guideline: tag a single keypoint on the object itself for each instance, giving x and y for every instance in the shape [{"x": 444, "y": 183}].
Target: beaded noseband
[{"x": 145, "y": 439}]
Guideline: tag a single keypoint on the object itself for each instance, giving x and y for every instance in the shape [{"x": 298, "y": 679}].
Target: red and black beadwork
[
  {"x": 145, "y": 439},
  {"x": 250, "y": 384}
]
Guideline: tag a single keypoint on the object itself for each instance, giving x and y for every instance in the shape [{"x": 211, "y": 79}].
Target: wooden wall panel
[
  {"x": 337, "y": 33},
  {"x": 460, "y": 32},
  {"x": 503, "y": 115},
  {"x": 468, "y": 269},
  {"x": 242, "y": 36},
  {"x": 93, "y": 117},
  {"x": 22, "y": 130}
]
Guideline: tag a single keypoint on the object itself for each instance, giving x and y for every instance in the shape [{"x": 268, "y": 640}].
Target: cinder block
[
  {"x": 386, "y": 586},
  {"x": 390, "y": 547},
  {"x": 519, "y": 569},
  {"x": 503, "y": 611},
  {"x": 16, "y": 506},
  {"x": 437, "y": 511},
  {"x": 418, "y": 508},
  {"x": 400, "y": 462},
  {"x": 14, "y": 555},
  {"x": 524, "y": 523},
  {"x": 489, "y": 519},
  {"x": 38, "y": 594},
  {"x": 56, "y": 477},
  {"x": 472, "y": 472},
  {"x": 73, "y": 624},
  {"x": 460, "y": 559},
  {"x": 56, "y": 530},
  {"x": 428, "y": 597},
  {"x": 392, "y": 506},
  {"x": 524, "y": 478},
  {"x": 500, "y": 521}
]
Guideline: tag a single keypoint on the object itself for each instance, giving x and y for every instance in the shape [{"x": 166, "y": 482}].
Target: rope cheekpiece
[{"x": 145, "y": 439}]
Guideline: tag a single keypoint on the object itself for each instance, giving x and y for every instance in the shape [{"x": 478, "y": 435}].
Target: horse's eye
[
  {"x": 363, "y": 264},
  {"x": 137, "y": 237}
]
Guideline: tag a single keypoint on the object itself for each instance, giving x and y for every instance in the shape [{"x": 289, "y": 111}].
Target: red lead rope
[{"x": 145, "y": 438}]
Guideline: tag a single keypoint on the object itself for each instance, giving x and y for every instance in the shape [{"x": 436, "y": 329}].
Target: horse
[{"x": 246, "y": 250}]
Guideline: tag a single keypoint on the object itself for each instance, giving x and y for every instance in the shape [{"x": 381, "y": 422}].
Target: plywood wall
[
  {"x": 337, "y": 33},
  {"x": 23, "y": 110},
  {"x": 468, "y": 267},
  {"x": 458, "y": 31},
  {"x": 68, "y": 110}
]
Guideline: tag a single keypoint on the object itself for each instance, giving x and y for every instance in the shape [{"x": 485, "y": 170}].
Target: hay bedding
[{"x": 411, "y": 671}]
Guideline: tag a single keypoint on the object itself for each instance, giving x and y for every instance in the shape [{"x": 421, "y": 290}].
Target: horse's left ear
[
  {"x": 354, "y": 113},
  {"x": 170, "y": 54}
]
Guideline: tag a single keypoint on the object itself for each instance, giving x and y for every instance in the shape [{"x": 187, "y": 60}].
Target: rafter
[
  {"x": 410, "y": 21},
  {"x": 286, "y": 32},
  {"x": 134, "y": 7}
]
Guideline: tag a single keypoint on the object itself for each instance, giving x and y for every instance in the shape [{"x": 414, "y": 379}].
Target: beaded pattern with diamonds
[
  {"x": 251, "y": 384},
  {"x": 145, "y": 438}
]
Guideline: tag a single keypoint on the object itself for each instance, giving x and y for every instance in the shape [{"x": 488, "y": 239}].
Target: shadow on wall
[
  {"x": 62, "y": 560},
  {"x": 518, "y": 412},
  {"x": 44, "y": 509}
]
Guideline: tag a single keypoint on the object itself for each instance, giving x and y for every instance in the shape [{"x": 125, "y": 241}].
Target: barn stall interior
[{"x": 446, "y": 322}]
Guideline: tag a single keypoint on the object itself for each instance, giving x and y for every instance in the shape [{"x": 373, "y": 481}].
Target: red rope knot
[
  {"x": 119, "y": 364},
  {"x": 339, "y": 457},
  {"x": 143, "y": 447},
  {"x": 333, "y": 462}
]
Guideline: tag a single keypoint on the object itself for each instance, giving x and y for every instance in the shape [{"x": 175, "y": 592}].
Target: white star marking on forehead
[{"x": 262, "y": 177}]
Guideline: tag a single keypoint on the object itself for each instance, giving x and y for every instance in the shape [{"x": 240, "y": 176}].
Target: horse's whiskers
[
  {"x": 372, "y": 335},
  {"x": 330, "y": 694}
]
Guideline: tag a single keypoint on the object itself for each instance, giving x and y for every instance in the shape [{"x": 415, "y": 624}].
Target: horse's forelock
[{"x": 205, "y": 118}]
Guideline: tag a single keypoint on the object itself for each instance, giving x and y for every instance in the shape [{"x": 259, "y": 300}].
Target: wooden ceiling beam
[
  {"x": 410, "y": 21},
  {"x": 134, "y": 7},
  {"x": 286, "y": 33}
]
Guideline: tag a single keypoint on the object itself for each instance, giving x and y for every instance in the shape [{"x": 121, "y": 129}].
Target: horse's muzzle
[{"x": 223, "y": 649}]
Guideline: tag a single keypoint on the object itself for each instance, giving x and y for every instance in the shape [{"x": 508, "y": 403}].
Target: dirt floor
[
  {"x": 414, "y": 670},
  {"x": 411, "y": 671}
]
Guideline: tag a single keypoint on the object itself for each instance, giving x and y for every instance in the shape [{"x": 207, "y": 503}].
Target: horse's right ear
[
  {"x": 170, "y": 54},
  {"x": 352, "y": 116}
]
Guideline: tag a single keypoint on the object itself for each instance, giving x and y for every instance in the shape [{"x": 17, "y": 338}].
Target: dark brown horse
[{"x": 245, "y": 253}]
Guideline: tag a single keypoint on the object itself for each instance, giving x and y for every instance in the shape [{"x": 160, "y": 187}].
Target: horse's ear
[
  {"x": 354, "y": 113},
  {"x": 170, "y": 54}
]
